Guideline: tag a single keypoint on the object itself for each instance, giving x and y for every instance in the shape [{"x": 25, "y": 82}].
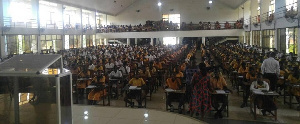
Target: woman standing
[{"x": 201, "y": 100}]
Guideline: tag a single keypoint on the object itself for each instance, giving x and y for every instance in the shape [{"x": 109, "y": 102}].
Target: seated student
[
  {"x": 218, "y": 82},
  {"x": 135, "y": 81},
  {"x": 250, "y": 77},
  {"x": 293, "y": 79},
  {"x": 179, "y": 74},
  {"x": 174, "y": 83},
  {"x": 263, "y": 102},
  {"x": 97, "y": 93},
  {"x": 115, "y": 74}
]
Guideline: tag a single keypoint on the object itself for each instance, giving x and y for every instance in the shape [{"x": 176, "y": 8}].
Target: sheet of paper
[
  {"x": 132, "y": 87},
  {"x": 220, "y": 91},
  {"x": 169, "y": 90},
  {"x": 258, "y": 92}
]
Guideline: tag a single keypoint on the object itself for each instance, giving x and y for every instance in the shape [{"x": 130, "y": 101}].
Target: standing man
[{"x": 270, "y": 69}]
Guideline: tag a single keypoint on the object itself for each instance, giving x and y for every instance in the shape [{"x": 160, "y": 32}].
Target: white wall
[{"x": 189, "y": 10}]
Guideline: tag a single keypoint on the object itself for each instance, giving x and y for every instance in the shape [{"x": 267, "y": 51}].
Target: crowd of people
[
  {"x": 149, "y": 67},
  {"x": 170, "y": 26}
]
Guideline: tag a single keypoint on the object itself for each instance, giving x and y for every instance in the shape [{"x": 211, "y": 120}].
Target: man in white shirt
[
  {"x": 125, "y": 69},
  {"x": 270, "y": 69},
  {"x": 109, "y": 65}
]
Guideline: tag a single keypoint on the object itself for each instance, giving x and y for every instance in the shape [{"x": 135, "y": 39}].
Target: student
[
  {"x": 218, "y": 82},
  {"x": 97, "y": 93},
  {"x": 263, "y": 102},
  {"x": 294, "y": 78},
  {"x": 250, "y": 77},
  {"x": 174, "y": 83},
  {"x": 135, "y": 81}
]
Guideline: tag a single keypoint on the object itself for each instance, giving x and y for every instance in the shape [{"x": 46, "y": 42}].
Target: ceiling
[
  {"x": 111, "y": 7},
  {"x": 114, "y": 7},
  {"x": 234, "y": 4}
]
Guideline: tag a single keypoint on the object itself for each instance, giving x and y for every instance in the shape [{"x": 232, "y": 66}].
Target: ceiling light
[
  {"x": 210, "y": 2},
  {"x": 159, "y": 3}
]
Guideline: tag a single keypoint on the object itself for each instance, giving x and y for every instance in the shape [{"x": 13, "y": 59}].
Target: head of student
[
  {"x": 272, "y": 54},
  {"x": 259, "y": 78}
]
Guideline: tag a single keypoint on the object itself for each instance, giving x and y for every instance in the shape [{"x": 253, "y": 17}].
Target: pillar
[
  {"x": 2, "y": 40},
  {"x": 135, "y": 41},
  {"x": 298, "y": 43},
  {"x": 105, "y": 41},
  {"x": 177, "y": 40},
  {"x": 203, "y": 41},
  {"x": 151, "y": 42},
  {"x": 128, "y": 41},
  {"x": 39, "y": 44},
  {"x": 275, "y": 40}
]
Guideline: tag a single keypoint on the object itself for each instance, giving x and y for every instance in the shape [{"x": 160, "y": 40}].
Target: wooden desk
[
  {"x": 288, "y": 93},
  {"x": 169, "y": 90},
  {"x": 253, "y": 105},
  {"x": 222, "y": 92},
  {"x": 135, "y": 88}
]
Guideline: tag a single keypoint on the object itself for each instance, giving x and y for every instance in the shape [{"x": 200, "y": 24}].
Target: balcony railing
[{"x": 31, "y": 23}]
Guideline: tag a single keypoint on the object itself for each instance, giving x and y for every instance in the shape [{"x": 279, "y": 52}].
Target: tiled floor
[{"x": 111, "y": 115}]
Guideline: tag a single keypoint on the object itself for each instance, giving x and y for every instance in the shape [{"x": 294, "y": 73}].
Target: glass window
[
  {"x": 174, "y": 18},
  {"x": 268, "y": 39},
  {"x": 291, "y": 40},
  {"x": 50, "y": 15},
  {"x": 272, "y": 7},
  {"x": 291, "y": 5}
]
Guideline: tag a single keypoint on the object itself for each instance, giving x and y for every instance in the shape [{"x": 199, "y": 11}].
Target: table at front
[
  {"x": 134, "y": 88},
  {"x": 76, "y": 89},
  {"x": 253, "y": 110},
  {"x": 168, "y": 90},
  {"x": 222, "y": 92}
]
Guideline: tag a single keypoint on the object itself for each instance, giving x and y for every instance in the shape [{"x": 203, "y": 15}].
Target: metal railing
[
  {"x": 287, "y": 11},
  {"x": 30, "y": 23}
]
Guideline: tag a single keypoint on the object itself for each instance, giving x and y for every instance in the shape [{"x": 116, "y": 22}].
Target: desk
[
  {"x": 110, "y": 85},
  {"x": 222, "y": 92},
  {"x": 290, "y": 85},
  {"x": 135, "y": 88},
  {"x": 169, "y": 90},
  {"x": 259, "y": 93},
  {"x": 103, "y": 88}
]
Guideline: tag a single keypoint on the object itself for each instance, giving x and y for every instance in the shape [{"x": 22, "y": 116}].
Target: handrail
[{"x": 270, "y": 15}]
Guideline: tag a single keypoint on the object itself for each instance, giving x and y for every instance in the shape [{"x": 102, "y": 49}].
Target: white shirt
[
  {"x": 115, "y": 74},
  {"x": 92, "y": 67},
  {"x": 109, "y": 65},
  {"x": 270, "y": 65},
  {"x": 254, "y": 84},
  {"x": 123, "y": 69},
  {"x": 118, "y": 63}
]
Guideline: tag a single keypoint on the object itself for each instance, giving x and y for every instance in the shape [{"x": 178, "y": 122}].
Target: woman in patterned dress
[{"x": 201, "y": 99}]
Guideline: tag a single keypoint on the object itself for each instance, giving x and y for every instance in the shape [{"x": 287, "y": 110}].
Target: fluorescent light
[
  {"x": 210, "y": 2},
  {"x": 159, "y": 3}
]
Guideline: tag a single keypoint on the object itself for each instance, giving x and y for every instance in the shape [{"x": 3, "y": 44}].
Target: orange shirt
[
  {"x": 219, "y": 84},
  {"x": 173, "y": 84}
]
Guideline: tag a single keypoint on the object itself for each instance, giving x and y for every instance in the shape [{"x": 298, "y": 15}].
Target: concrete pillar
[
  {"x": 2, "y": 41},
  {"x": 128, "y": 41},
  {"x": 298, "y": 42},
  {"x": 177, "y": 40},
  {"x": 135, "y": 41},
  {"x": 203, "y": 41},
  {"x": 39, "y": 44},
  {"x": 251, "y": 40},
  {"x": 260, "y": 38},
  {"x": 151, "y": 42},
  {"x": 275, "y": 40},
  {"x": 105, "y": 41},
  {"x": 2, "y": 47}
]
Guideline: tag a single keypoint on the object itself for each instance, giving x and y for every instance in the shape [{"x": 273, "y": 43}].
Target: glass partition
[
  {"x": 268, "y": 39},
  {"x": 72, "y": 18},
  {"x": 74, "y": 41},
  {"x": 256, "y": 38},
  {"x": 21, "y": 44},
  {"x": 37, "y": 99},
  {"x": 88, "y": 20},
  {"x": 100, "y": 20},
  {"x": 50, "y": 15},
  {"x": 51, "y": 41},
  {"x": 291, "y": 40},
  {"x": 20, "y": 13}
]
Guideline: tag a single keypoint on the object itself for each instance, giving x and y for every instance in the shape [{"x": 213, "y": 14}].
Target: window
[
  {"x": 268, "y": 39},
  {"x": 174, "y": 18},
  {"x": 256, "y": 38},
  {"x": 291, "y": 5},
  {"x": 272, "y": 7},
  {"x": 291, "y": 40},
  {"x": 247, "y": 37},
  {"x": 169, "y": 40}
]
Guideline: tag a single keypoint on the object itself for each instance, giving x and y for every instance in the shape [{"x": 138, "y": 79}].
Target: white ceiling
[
  {"x": 234, "y": 4},
  {"x": 114, "y": 8}
]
